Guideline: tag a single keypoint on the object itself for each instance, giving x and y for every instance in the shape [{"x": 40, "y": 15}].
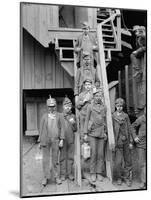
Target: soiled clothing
[
  {"x": 82, "y": 107},
  {"x": 87, "y": 43},
  {"x": 142, "y": 164},
  {"x": 50, "y": 154},
  {"x": 123, "y": 137},
  {"x": 95, "y": 127},
  {"x": 123, "y": 154},
  {"x": 51, "y": 131},
  {"x": 97, "y": 158},
  {"x": 141, "y": 146},
  {"x": 56, "y": 131},
  {"x": 95, "y": 123},
  {"x": 141, "y": 123},
  {"x": 67, "y": 151},
  {"x": 122, "y": 129}
]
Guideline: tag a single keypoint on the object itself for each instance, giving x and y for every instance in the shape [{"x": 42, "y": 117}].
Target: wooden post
[
  {"x": 102, "y": 74},
  {"x": 127, "y": 88},
  {"x": 77, "y": 156},
  {"x": 120, "y": 84},
  {"x": 134, "y": 92},
  {"x": 118, "y": 30}
]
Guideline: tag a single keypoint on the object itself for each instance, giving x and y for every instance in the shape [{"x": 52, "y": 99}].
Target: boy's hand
[
  {"x": 130, "y": 146},
  {"x": 85, "y": 137},
  {"x": 61, "y": 143},
  {"x": 137, "y": 140}
]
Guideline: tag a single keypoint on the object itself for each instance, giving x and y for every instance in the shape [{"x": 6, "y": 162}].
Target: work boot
[
  {"x": 58, "y": 181},
  {"x": 100, "y": 177},
  {"x": 44, "y": 181},
  {"x": 142, "y": 185},
  {"x": 128, "y": 183},
  {"x": 119, "y": 181},
  {"x": 71, "y": 177},
  {"x": 93, "y": 177}
]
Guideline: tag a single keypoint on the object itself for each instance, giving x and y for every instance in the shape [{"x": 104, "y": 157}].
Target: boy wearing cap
[
  {"x": 51, "y": 138},
  {"x": 140, "y": 140},
  {"x": 95, "y": 129},
  {"x": 83, "y": 101},
  {"x": 67, "y": 151},
  {"x": 123, "y": 143},
  {"x": 86, "y": 71},
  {"x": 85, "y": 42}
]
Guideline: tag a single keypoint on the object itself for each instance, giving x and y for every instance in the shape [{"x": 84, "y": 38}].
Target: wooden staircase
[{"x": 111, "y": 40}]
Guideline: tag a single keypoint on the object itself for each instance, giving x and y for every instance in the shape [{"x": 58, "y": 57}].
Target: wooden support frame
[
  {"x": 127, "y": 89},
  {"x": 77, "y": 157},
  {"x": 120, "y": 84},
  {"x": 103, "y": 76}
]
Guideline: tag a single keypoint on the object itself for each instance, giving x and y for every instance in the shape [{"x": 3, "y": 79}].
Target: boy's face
[
  {"x": 98, "y": 98},
  {"x": 67, "y": 108},
  {"x": 86, "y": 30},
  {"x": 119, "y": 108},
  {"x": 51, "y": 109},
  {"x": 87, "y": 86}
]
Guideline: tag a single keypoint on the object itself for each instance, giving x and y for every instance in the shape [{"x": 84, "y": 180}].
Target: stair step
[{"x": 107, "y": 25}]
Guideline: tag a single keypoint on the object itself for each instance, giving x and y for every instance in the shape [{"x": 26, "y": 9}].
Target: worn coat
[
  {"x": 141, "y": 123},
  {"x": 95, "y": 123},
  {"x": 122, "y": 129},
  {"x": 43, "y": 136},
  {"x": 81, "y": 105}
]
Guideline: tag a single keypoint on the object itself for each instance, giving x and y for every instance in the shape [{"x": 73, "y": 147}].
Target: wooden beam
[
  {"x": 103, "y": 75},
  {"x": 77, "y": 156},
  {"x": 127, "y": 88},
  {"x": 66, "y": 33},
  {"x": 120, "y": 84}
]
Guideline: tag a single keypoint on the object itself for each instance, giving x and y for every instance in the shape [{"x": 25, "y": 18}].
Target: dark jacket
[
  {"x": 43, "y": 136},
  {"x": 95, "y": 123},
  {"x": 122, "y": 129},
  {"x": 141, "y": 123},
  {"x": 79, "y": 44},
  {"x": 70, "y": 127},
  {"x": 81, "y": 105}
]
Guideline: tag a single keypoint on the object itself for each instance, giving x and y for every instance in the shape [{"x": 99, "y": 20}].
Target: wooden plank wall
[
  {"x": 41, "y": 68},
  {"x": 37, "y": 19}
]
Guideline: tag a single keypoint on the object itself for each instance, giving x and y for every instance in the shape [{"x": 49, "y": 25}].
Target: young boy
[
  {"x": 123, "y": 138},
  {"x": 95, "y": 128},
  {"x": 83, "y": 101},
  {"x": 140, "y": 140},
  {"x": 67, "y": 151},
  {"x": 51, "y": 138}
]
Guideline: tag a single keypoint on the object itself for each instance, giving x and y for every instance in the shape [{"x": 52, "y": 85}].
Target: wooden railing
[{"x": 117, "y": 30}]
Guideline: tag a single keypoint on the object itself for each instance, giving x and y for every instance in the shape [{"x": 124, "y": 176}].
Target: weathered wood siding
[
  {"x": 41, "y": 68},
  {"x": 37, "y": 19}
]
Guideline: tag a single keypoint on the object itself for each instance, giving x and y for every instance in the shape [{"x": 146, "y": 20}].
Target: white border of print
[{"x": 9, "y": 101}]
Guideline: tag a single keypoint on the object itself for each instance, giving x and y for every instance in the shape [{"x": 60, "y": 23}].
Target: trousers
[
  {"x": 123, "y": 161},
  {"x": 66, "y": 159},
  {"x": 142, "y": 164},
  {"x": 97, "y": 155},
  {"x": 50, "y": 154}
]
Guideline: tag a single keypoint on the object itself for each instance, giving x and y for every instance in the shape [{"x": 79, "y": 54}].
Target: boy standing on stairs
[
  {"x": 123, "y": 143},
  {"x": 67, "y": 151},
  {"x": 83, "y": 101},
  {"x": 95, "y": 129}
]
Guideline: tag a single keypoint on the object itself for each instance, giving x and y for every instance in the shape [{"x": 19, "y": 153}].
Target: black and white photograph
[{"x": 83, "y": 99}]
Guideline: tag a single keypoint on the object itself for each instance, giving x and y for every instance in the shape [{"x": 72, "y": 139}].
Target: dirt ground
[{"x": 32, "y": 176}]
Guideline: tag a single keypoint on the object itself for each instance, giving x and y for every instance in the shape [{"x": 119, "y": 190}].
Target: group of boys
[{"x": 57, "y": 134}]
